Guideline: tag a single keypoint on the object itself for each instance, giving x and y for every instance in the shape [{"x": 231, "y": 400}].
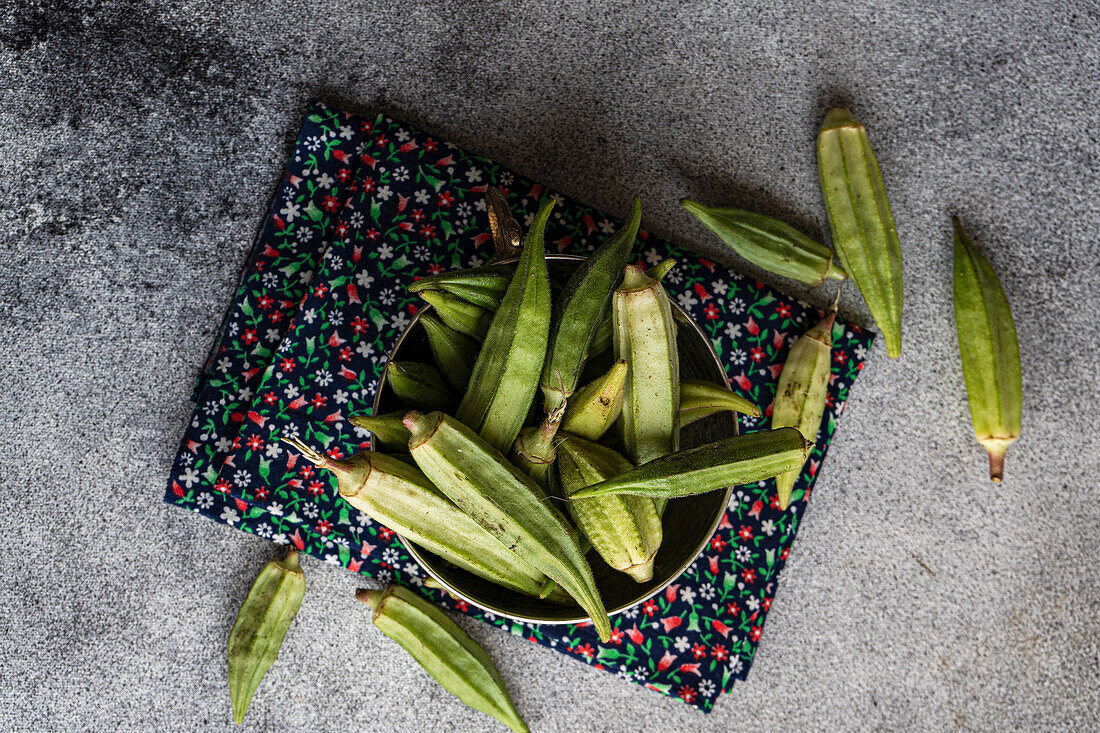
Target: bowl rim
[{"x": 682, "y": 318}]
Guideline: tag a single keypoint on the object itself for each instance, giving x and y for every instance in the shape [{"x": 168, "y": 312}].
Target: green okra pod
[
  {"x": 472, "y": 474},
  {"x": 603, "y": 340},
  {"x": 739, "y": 459},
  {"x": 482, "y": 286},
  {"x": 444, "y": 650},
  {"x": 454, "y": 352},
  {"x": 863, "y": 228},
  {"x": 595, "y": 407},
  {"x": 801, "y": 393},
  {"x": 419, "y": 385},
  {"x": 402, "y": 498},
  {"x": 989, "y": 350},
  {"x": 505, "y": 376},
  {"x": 769, "y": 243},
  {"x": 262, "y": 623},
  {"x": 387, "y": 429},
  {"x": 700, "y": 398},
  {"x": 624, "y": 529},
  {"x": 461, "y": 315},
  {"x": 645, "y": 337}
]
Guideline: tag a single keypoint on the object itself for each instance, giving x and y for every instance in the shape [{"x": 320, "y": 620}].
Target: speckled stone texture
[{"x": 139, "y": 143}]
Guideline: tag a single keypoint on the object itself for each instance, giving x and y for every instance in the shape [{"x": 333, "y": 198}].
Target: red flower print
[
  {"x": 386, "y": 533},
  {"x": 773, "y": 502},
  {"x": 749, "y": 575},
  {"x": 687, "y": 693},
  {"x": 324, "y": 527},
  {"x": 316, "y": 488},
  {"x": 719, "y": 652},
  {"x": 717, "y": 543},
  {"x": 435, "y": 268},
  {"x": 262, "y": 493},
  {"x": 666, "y": 661},
  {"x": 586, "y": 650},
  {"x": 785, "y": 554},
  {"x": 345, "y": 353},
  {"x": 462, "y": 605},
  {"x": 265, "y": 302},
  {"x": 767, "y": 604},
  {"x": 254, "y": 442},
  {"x": 752, "y": 328},
  {"x": 368, "y": 185},
  {"x": 342, "y": 229},
  {"x": 306, "y": 471},
  {"x": 430, "y": 145},
  {"x": 634, "y": 634},
  {"x": 372, "y": 233},
  {"x": 670, "y": 592},
  {"x": 778, "y": 338},
  {"x": 320, "y": 290},
  {"x": 286, "y": 365},
  {"x": 271, "y": 398},
  {"x": 446, "y": 199},
  {"x": 732, "y": 609},
  {"x": 702, "y": 292},
  {"x": 616, "y": 636},
  {"x": 354, "y": 564},
  {"x": 756, "y": 632},
  {"x": 250, "y": 336},
  {"x": 318, "y": 400},
  {"x": 711, "y": 311},
  {"x": 690, "y": 668},
  {"x": 783, "y": 310},
  {"x": 757, "y": 507},
  {"x": 222, "y": 486},
  {"x": 331, "y": 203},
  {"x": 417, "y": 214},
  {"x": 713, "y": 559},
  {"x": 343, "y": 175},
  {"x": 745, "y": 533},
  {"x": 359, "y": 324},
  {"x": 757, "y": 354},
  {"x": 671, "y": 622},
  {"x": 650, "y": 607},
  {"x": 427, "y": 231},
  {"x": 720, "y": 627},
  {"x": 742, "y": 381},
  {"x": 297, "y": 540},
  {"x": 335, "y": 453},
  {"x": 840, "y": 357},
  {"x": 698, "y": 651}
]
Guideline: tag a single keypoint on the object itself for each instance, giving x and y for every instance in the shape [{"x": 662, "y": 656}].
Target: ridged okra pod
[
  {"x": 506, "y": 503},
  {"x": 387, "y": 429},
  {"x": 262, "y": 623},
  {"x": 595, "y": 407},
  {"x": 604, "y": 340},
  {"x": 482, "y": 286},
  {"x": 624, "y": 529},
  {"x": 801, "y": 393},
  {"x": 454, "y": 352},
  {"x": 739, "y": 459},
  {"x": 769, "y": 243},
  {"x": 863, "y": 228},
  {"x": 461, "y": 315},
  {"x": 700, "y": 398},
  {"x": 989, "y": 350},
  {"x": 444, "y": 650},
  {"x": 505, "y": 376},
  {"x": 645, "y": 337},
  {"x": 419, "y": 385},
  {"x": 400, "y": 497}
]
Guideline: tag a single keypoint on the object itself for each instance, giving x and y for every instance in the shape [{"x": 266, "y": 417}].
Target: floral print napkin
[{"x": 365, "y": 207}]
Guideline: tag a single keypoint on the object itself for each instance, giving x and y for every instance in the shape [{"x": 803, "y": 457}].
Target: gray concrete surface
[{"x": 139, "y": 144}]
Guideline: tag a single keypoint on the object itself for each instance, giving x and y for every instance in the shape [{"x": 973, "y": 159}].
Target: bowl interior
[{"x": 688, "y": 523}]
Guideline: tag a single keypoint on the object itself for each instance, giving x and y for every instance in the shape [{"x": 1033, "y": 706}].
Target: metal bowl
[{"x": 689, "y": 522}]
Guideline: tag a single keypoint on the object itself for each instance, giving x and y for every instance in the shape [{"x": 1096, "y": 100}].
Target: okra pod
[
  {"x": 989, "y": 350},
  {"x": 388, "y": 429},
  {"x": 595, "y": 407},
  {"x": 505, "y": 502},
  {"x": 444, "y": 650},
  {"x": 454, "y": 352},
  {"x": 461, "y": 315},
  {"x": 603, "y": 340},
  {"x": 739, "y": 459},
  {"x": 863, "y": 228},
  {"x": 419, "y": 385},
  {"x": 262, "y": 623},
  {"x": 624, "y": 529},
  {"x": 700, "y": 398},
  {"x": 505, "y": 376},
  {"x": 645, "y": 337},
  {"x": 801, "y": 393},
  {"x": 402, "y": 498},
  {"x": 482, "y": 286}
]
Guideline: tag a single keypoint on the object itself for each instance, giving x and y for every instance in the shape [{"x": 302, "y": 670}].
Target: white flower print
[
  {"x": 401, "y": 135},
  {"x": 305, "y": 235},
  {"x": 274, "y": 450},
  {"x": 752, "y": 603},
  {"x": 473, "y": 175},
  {"x": 383, "y": 193},
  {"x": 675, "y": 276},
  {"x": 687, "y": 300},
  {"x": 275, "y": 509},
  {"x": 464, "y": 210},
  {"x": 506, "y": 179},
  {"x": 735, "y": 665},
  {"x": 719, "y": 287},
  {"x": 401, "y": 174},
  {"x": 422, "y": 196},
  {"x": 640, "y": 673},
  {"x": 421, "y": 253},
  {"x": 362, "y": 519},
  {"x": 767, "y": 527},
  {"x": 242, "y": 477},
  {"x": 706, "y": 688},
  {"x": 652, "y": 256},
  {"x": 390, "y": 556},
  {"x": 205, "y": 500},
  {"x": 310, "y": 510},
  {"x": 223, "y": 445},
  {"x": 272, "y": 334},
  {"x": 280, "y": 539},
  {"x": 336, "y": 318},
  {"x": 687, "y": 595},
  {"x": 364, "y": 279},
  {"x": 733, "y": 330},
  {"x": 335, "y": 262},
  {"x": 743, "y": 554},
  {"x": 322, "y": 377},
  {"x": 291, "y": 211},
  {"x": 413, "y": 569},
  {"x": 341, "y": 397},
  {"x": 387, "y": 296},
  {"x": 264, "y": 530},
  {"x": 399, "y": 320},
  {"x": 346, "y": 132},
  {"x": 291, "y": 393},
  {"x": 309, "y": 315},
  {"x": 681, "y": 644},
  {"x": 738, "y": 357},
  {"x": 229, "y": 516},
  {"x": 385, "y": 252},
  {"x": 333, "y": 560},
  {"x": 224, "y": 362},
  {"x": 325, "y": 181},
  {"x": 356, "y": 220},
  {"x": 707, "y": 591},
  {"x": 365, "y": 348},
  {"x": 270, "y": 279},
  {"x": 737, "y": 305},
  {"x": 383, "y": 576}
]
